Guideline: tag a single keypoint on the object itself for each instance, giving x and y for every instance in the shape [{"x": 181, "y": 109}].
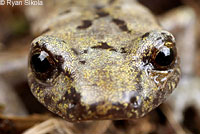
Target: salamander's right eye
[{"x": 42, "y": 64}]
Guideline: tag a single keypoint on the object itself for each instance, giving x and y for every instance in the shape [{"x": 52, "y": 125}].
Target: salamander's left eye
[
  {"x": 164, "y": 57},
  {"x": 42, "y": 64}
]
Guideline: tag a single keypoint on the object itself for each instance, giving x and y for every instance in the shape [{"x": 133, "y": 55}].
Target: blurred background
[{"x": 20, "y": 112}]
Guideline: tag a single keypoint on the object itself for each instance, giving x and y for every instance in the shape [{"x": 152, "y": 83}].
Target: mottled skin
[{"x": 103, "y": 68}]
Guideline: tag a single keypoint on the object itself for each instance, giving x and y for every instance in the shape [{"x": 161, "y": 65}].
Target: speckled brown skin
[{"x": 102, "y": 53}]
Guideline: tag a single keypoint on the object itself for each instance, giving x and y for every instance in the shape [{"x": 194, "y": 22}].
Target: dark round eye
[
  {"x": 42, "y": 64},
  {"x": 165, "y": 56}
]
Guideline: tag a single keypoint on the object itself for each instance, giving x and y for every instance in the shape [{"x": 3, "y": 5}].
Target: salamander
[{"x": 97, "y": 60}]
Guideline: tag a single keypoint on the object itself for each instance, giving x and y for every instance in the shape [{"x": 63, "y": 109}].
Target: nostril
[
  {"x": 72, "y": 105},
  {"x": 135, "y": 101}
]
